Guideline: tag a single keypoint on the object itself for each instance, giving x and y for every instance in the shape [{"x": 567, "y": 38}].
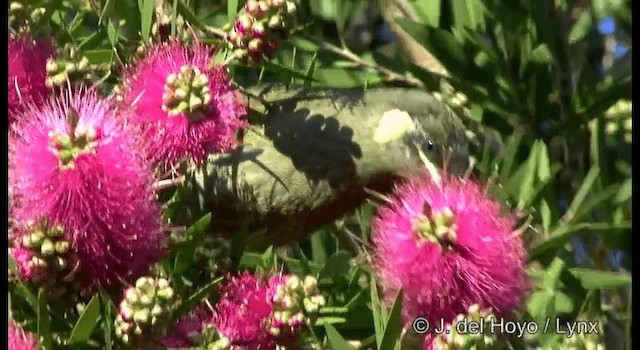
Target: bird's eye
[{"x": 430, "y": 145}]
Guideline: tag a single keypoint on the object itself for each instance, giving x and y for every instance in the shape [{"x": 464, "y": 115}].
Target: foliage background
[{"x": 535, "y": 81}]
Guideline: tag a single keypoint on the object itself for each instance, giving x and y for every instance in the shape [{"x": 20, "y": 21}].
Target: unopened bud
[
  {"x": 293, "y": 283},
  {"x": 146, "y": 300},
  {"x": 310, "y": 285},
  {"x": 141, "y": 316},
  {"x": 165, "y": 293},
  {"x": 62, "y": 247},
  {"x": 47, "y": 248}
]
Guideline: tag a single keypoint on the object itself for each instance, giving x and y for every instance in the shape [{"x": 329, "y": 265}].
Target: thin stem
[
  {"x": 348, "y": 54},
  {"x": 164, "y": 184},
  {"x": 217, "y": 32}
]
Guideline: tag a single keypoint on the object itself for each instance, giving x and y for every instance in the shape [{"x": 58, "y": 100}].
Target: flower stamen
[
  {"x": 187, "y": 92},
  {"x": 68, "y": 147},
  {"x": 437, "y": 227}
]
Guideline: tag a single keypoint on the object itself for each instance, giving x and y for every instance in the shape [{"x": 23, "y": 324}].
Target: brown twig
[
  {"x": 348, "y": 54},
  {"x": 163, "y": 184}
]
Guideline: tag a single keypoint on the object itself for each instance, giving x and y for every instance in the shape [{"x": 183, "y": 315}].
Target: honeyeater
[{"x": 311, "y": 152}]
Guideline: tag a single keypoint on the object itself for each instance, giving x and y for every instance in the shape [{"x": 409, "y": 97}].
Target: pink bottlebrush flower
[
  {"x": 182, "y": 106},
  {"x": 19, "y": 339},
  {"x": 22, "y": 257},
  {"x": 242, "y": 313},
  {"x": 27, "y": 73},
  {"x": 183, "y": 333},
  {"x": 71, "y": 163},
  {"x": 448, "y": 247}
]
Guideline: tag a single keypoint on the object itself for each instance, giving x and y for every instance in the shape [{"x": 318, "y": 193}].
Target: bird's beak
[{"x": 456, "y": 160}]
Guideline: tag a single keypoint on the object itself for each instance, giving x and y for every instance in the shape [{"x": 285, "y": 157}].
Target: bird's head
[{"x": 439, "y": 136}]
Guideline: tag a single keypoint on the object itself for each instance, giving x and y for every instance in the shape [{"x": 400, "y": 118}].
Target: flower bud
[
  {"x": 47, "y": 248},
  {"x": 141, "y": 316},
  {"x": 243, "y": 25},
  {"x": 310, "y": 285},
  {"x": 62, "y": 247},
  {"x": 258, "y": 30}
]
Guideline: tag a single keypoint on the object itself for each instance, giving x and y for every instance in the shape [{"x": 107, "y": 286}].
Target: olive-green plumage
[{"x": 309, "y": 161}]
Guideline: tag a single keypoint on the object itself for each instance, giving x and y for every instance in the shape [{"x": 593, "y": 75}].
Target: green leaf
[
  {"x": 327, "y": 310},
  {"x": 266, "y": 261},
  {"x": 318, "y": 250},
  {"x": 581, "y": 28},
  {"x": 338, "y": 77},
  {"x": 106, "y": 312},
  {"x": 594, "y": 279},
  {"x": 112, "y": 33},
  {"x": 562, "y": 234},
  {"x": 188, "y": 15},
  {"x": 377, "y": 311},
  {"x": 324, "y": 320},
  {"x": 393, "y": 325},
  {"x": 541, "y": 305},
  {"x": 310, "y": 70},
  {"x": 511, "y": 149},
  {"x": 22, "y": 290},
  {"x": 343, "y": 12},
  {"x": 442, "y": 44},
  {"x": 87, "y": 321},
  {"x": 545, "y": 215},
  {"x": 336, "y": 341},
  {"x": 186, "y": 249},
  {"x": 337, "y": 265},
  {"x": 522, "y": 184},
  {"x": 188, "y": 304},
  {"x": 544, "y": 164},
  {"x": 44, "y": 322},
  {"x": 232, "y": 10},
  {"x": 624, "y": 192},
  {"x": 285, "y": 71},
  {"x": 99, "y": 56},
  {"x": 595, "y": 200},
  {"x": 587, "y": 184},
  {"x": 564, "y": 303},
  {"x": 542, "y": 55},
  {"x": 146, "y": 18},
  {"x": 552, "y": 276},
  {"x": 467, "y": 14},
  {"x": 428, "y": 11}
]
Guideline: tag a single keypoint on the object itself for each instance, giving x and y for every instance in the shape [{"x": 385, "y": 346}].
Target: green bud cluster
[
  {"x": 295, "y": 306},
  {"x": 438, "y": 227},
  {"x": 144, "y": 312},
  {"x": 455, "y": 100},
  {"x": 618, "y": 119},
  {"x": 451, "y": 97},
  {"x": 68, "y": 146},
  {"x": 187, "y": 92},
  {"x": 71, "y": 67},
  {"x": 213, "y": 257},
  {"x": 25, "y": 17},
  {"x": 260, "y": 29},
  {"x": 472, "y": 340},
  {"x": 54, "y": 264}
]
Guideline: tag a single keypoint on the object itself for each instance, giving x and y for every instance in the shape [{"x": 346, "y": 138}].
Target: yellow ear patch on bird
[{"x": 393, "y": 124}]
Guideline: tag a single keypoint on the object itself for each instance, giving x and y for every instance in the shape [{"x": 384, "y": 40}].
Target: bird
[{"x": 313, "y": 155}]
